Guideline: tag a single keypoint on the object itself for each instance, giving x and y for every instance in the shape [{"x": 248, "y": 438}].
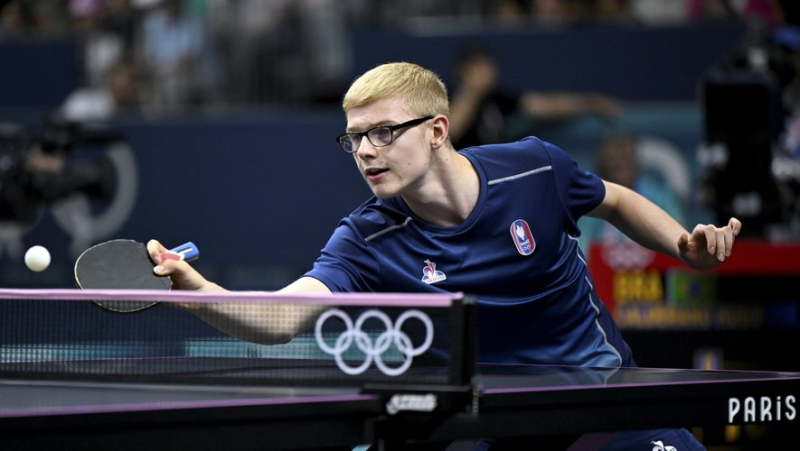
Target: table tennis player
[{"x": 497, "y": 221}]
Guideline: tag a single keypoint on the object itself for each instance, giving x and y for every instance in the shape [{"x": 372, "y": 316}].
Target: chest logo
[
  {"x": 430, "y": 274},
  {"x": 522, "y": 236}
]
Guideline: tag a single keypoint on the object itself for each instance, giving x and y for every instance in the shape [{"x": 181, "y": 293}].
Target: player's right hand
[{"x": 183, "y": 276}]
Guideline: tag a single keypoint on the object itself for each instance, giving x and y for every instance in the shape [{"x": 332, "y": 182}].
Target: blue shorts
[{"x": 646, "y": 440}]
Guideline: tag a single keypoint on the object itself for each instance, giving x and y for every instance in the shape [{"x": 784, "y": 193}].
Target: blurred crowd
[{"x": 166, "y": 55}]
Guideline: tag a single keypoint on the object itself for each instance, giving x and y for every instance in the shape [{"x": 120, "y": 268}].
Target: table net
[{"x": 345, "y": 340}]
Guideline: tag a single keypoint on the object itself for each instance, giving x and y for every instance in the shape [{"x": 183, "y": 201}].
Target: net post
[{"x": 463, "y": 340}]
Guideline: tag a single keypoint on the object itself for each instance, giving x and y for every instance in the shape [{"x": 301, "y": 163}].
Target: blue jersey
[{"x": 517, "y": 253}]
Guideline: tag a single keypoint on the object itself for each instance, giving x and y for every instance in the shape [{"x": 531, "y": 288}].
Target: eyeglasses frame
[{"x": 392, "y": 129}]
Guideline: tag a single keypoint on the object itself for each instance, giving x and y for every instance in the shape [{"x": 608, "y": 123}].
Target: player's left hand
[{"x": 708, "y": 246}]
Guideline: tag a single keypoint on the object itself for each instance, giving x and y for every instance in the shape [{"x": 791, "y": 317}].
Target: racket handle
[{"x": 186, "y": 251}]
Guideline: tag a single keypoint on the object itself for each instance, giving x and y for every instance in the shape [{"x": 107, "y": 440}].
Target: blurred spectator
[
  {"x": 768, "y": 12},
  {"x": 659, "y": 12},
  {"x": 121, "y": 93},
  {"x": 103, "y": 46},
  {"x": 651, "y": 168},
  {"x": 16, "y": 20},
  {"x": 396, "y": 13},
  {"x": 558, "y": 12},
  {"x": 282, "y": 50},
  {"x": 32, "y": 18},
  {"x": 508, "y": 12},
  {"x": 174, "y": 52},
  {"x": 244, "y": 33},
  {"x": 255, "y": 52},
  {"x": 480, "y": 107},
  {"x": 107, "y": 29},
  {"x": 612, "y": 12},
  {"x": 710, "y": 10},
  {"x": 326, "y": 26},
  {"x": 312, "y": 58}
]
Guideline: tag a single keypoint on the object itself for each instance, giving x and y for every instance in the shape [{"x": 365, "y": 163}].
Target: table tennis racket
[{"x": 126, "y": 264}]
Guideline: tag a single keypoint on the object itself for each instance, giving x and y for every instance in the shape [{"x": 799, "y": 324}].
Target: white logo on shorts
[{"x": 660, "y": 446}]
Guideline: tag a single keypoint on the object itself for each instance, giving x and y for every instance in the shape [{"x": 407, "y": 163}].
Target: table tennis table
[
  {"x": 75, "y": 377},
  {"x": 509, "y": 401}
]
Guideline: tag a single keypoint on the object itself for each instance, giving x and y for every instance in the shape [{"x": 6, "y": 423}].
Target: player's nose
[{"x": 365, "y": 150}]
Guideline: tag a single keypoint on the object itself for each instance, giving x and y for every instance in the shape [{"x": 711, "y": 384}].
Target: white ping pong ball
[{"x": 37, "y": 258}]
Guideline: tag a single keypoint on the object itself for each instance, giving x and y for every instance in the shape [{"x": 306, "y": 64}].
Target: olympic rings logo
[{"x": 373, "y": 351}]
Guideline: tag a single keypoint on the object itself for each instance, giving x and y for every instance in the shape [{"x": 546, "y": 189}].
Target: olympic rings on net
[{"x": 374, "y": 351}]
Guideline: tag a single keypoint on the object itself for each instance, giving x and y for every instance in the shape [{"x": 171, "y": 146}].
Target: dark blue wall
[
  {"x": 631, "y": 63},
  {"x": 38, "y": 73},
  {"x": 260, "y": 190}
]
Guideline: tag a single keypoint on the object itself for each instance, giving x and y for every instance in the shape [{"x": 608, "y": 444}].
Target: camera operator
[{"x": 34, "y": 172}]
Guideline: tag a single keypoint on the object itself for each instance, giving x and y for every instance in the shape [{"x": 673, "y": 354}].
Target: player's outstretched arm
[
  {"x": 647, "y": 224},
  {"x": 273, "y": 323},
  {"x": 257, "y": 323}
]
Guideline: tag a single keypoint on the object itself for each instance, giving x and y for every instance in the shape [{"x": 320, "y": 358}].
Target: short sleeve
[
  {"x": 346, "y": 263},
  {"x": 581, "y": 191}
]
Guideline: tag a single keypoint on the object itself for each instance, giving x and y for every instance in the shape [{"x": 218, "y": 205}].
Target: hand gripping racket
[{"x": 125, "y": 264}]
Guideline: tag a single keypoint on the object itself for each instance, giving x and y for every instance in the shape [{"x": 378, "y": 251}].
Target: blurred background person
[
  {"x": 557, "y": 13},
  {"x": 121, "y": 93},
  {"x": 480, "y": 106},
  {"x": 177, "y": 57},
  {"x": 621, "y": 158},
  {"x": 767, "y": 12}
]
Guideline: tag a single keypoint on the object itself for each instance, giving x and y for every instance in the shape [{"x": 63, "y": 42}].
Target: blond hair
[{"x": 422, "y": 91}]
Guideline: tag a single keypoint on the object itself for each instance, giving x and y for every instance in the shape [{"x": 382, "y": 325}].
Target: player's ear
[{"x": 441, "y": 128}]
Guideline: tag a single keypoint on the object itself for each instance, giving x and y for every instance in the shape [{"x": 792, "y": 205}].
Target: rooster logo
[
  {"x": 430, "y": 274},
  {"x": 660, "y": 446}
]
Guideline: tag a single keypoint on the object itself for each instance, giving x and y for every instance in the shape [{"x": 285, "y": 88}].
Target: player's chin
[
  {"x": 382, "y": 191},
  {"x": 382, "y": 195}
]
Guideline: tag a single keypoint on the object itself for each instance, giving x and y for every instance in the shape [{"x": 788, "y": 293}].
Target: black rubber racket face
[{"x": 119, "y": 264}]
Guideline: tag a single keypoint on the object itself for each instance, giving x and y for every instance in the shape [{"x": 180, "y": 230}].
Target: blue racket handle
[{"x": 186, "y": 251}]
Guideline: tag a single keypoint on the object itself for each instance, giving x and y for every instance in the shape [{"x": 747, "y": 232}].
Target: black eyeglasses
[{"x": 379, "y": 136}]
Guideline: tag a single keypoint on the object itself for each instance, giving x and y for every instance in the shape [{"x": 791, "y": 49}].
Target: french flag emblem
[{"x": 523, "y": 238}]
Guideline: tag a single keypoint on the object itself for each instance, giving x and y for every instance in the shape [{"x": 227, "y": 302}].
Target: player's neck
[{"x": 449, "y": 192}]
